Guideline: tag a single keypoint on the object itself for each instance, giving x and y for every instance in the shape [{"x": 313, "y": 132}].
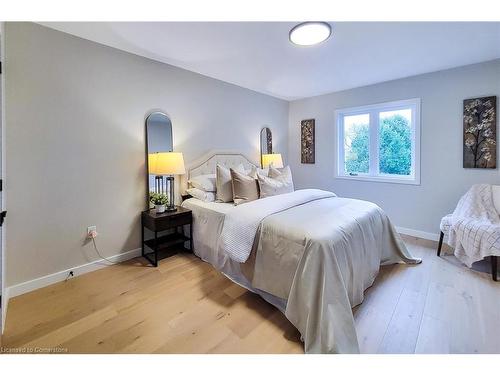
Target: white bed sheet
[{"x": 208, "y": 221}]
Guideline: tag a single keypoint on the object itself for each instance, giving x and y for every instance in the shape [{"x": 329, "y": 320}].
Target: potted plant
[{"x": 160, "y": 201}]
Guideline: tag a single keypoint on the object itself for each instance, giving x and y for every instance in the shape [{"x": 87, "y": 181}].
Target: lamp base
[{"x": 171, "y": 199}]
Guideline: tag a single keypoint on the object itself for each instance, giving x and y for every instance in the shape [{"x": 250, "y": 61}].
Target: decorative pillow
[
  {"x": 254, "y": 171},
  {"x": 269, "y": 186},
  {"x": 281, "y": 184},
  {"x": 245, "y": 187},
  {"x": 495, "y": 190},
  {"x": 223, "y": 182},
  {"x": 205, "y": 196},
  {"x": 285, "y": 174},
  {"x": 205, "y": 182}
]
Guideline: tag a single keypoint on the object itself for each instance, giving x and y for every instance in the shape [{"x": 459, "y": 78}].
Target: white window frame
[{"x": 373, "y": 110}]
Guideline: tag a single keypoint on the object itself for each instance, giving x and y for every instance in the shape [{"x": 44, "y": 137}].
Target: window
[{"x": 380, "y": 142}]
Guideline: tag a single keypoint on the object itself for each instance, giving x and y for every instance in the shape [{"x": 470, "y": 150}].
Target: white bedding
[
  {"x": 208, "y": 220},
  {"x": 242, "y": 223},
  {"x": 309, "y": 250},
  {"x": 320, "y": 253},
  {"x": 213, "y": 207}
]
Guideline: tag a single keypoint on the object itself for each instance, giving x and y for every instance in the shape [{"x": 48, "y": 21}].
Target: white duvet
[
  {"x": 318, "y": 252},
  {"x": 242, "y": 223}
]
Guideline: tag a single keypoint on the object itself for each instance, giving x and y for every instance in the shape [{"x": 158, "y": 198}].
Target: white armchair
[{"x": 475, "y": 226}]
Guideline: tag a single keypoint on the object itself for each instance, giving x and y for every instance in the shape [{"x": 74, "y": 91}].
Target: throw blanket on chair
[{"x": 474, "y": 227}]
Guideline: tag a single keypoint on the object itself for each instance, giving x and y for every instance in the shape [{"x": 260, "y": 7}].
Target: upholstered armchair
[{"x": 473, "y": 229}]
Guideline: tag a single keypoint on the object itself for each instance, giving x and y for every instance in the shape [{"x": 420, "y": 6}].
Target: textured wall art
[
  {"x": 307, "y": 143},
  {"x": 480, "y": 132}
]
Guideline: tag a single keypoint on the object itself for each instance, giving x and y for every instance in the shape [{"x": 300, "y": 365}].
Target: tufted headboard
[{"x": 207, "y": 163}]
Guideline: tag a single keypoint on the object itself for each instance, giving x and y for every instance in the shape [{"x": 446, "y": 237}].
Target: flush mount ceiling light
[{"x": 310, "y": 33}]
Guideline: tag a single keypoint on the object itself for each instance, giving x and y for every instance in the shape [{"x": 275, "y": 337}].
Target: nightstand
[{"x": 162, "y": 222}]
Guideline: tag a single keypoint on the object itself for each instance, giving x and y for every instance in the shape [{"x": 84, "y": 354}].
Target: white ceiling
[{"x": 258, "y": 55}]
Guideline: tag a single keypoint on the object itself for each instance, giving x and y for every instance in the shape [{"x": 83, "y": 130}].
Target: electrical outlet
[
  {"x": 91, "y": 229},
  {"x": 70, "y": 274}
]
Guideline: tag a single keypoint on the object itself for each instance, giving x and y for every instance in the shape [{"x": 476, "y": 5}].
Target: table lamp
[
  {"x": 166, "y": 164},
  {"x": 274, "y": 159}
]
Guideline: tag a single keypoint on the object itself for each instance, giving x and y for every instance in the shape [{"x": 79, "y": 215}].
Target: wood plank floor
[{"x": 185, "y": 306}]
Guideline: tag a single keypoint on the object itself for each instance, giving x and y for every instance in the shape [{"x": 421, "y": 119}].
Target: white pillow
[
  {"x": 254, "y": 171},
  {"x": 269, "y": 186},
  {"x": 204, "y": 182},
  {"x": 495, "y": 190},
  {"x": 224, "y": 184},
  {"x": 281, "y": 184},
  {"x": 205, "y": 196},
  {"x": 285, "y": 174}
]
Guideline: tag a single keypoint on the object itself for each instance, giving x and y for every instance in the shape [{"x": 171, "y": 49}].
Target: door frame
[{"x": 5, "y": 297}]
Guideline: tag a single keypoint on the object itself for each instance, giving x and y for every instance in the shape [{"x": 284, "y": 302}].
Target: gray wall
[
  {"x": 443, "y": 180},
  {"x": 75, "y": 141}
]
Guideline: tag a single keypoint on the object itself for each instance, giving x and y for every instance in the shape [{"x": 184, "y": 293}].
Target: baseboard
[
  {"x": 28, "y": 286},
  {"x": 418, "y": 233}
]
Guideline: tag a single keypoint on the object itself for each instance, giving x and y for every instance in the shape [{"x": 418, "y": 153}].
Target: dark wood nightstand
[{"x": 162, "y": 222}]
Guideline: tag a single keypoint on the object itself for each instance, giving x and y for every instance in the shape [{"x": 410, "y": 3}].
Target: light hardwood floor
[{"x": 185, "y": 306}]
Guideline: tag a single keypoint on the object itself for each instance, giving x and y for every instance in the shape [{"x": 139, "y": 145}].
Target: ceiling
[{"x": 259, "y": 56}]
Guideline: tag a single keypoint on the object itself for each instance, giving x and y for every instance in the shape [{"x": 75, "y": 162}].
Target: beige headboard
[{"x": 207, "y": 163}]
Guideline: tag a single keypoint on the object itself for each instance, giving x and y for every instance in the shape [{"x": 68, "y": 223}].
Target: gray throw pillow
[
  {"x": 245, "y": 187},
  {"x": 223, "y": 181}
]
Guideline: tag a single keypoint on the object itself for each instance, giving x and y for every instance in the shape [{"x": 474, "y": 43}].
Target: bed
[{"x": 309, "y": 253}]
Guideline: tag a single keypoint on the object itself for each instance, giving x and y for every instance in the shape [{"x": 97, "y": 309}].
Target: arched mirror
[
  {"x": 158, "y": 139},
  {"x": 266, "y": 142}
]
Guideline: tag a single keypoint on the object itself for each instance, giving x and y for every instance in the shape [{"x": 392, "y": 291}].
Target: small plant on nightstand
[{"x": 160, "y": 201}]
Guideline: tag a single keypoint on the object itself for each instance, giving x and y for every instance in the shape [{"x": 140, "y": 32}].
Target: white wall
[
  {"x": 75, "y": 141},
  {"x": 443, "y": 180}
]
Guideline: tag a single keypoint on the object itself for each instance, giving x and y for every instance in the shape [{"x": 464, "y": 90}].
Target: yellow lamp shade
[
  {"x": 166, "y": 163},
  {"x": 274, "y": 159}
]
